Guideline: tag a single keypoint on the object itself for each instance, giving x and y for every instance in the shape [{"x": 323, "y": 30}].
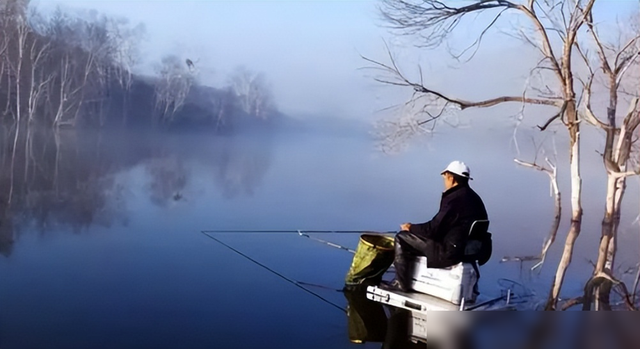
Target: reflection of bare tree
[
  {"x": 6, "y": 231},
  {"x": 237, "y": 163},
  {"x": 68, "y": 180},
  {"x": 168, "y": 179},
  {"x": 55, "y": 180},
  {"x": 240, "y": 164},
  {"x": 97, "y": 201}
]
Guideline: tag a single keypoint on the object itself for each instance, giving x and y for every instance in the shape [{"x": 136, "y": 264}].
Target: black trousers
[{"x": 407, "y": 247}]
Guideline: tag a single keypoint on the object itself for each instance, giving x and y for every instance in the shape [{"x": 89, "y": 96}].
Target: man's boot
[{"x": 403, "y": 263}]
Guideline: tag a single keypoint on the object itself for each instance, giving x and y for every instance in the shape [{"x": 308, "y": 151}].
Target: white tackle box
[{"x": 451, "y": 284}]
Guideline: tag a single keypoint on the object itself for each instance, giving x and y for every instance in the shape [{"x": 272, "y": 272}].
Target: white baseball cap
[{"x": 459, "y": 168}]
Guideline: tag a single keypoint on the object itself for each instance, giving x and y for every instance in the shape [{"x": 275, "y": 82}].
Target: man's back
[
  {"x": 463, "y": 206},
  {"x": 443, "y": 238}
]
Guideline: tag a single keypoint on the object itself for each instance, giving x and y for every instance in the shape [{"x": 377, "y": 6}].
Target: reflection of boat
[
  {"x": 367, "y": 319},
  {"x": 369, "y": 322},
  {"x": 403, "y": 320}
]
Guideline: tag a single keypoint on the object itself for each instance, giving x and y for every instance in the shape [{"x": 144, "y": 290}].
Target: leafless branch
[
  {"x": 478, "y": 41},
  {"x": 590, "y": 116},
  {"x": 621, "y": 59},
  {"x": 553, "y": 181},
  {"x": 533, "y": 166},
  {"x": 399, "y": 79},
  {"x": 435, "y": 17},
  {"x": 554, "y": 117},
  {"x": 624, "y": 66},
  {"x": 635, "y": 284},
  {"x": 571, "y": 303},
  {"x": 606, "y": 67},
  {"x": 434, "y": 20}
]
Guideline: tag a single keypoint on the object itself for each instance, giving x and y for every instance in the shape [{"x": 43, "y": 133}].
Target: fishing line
[
  {"x": 293, "y": 282},
  {"x": 319, "y": 286},
  {"x": 295, "y": 231}
]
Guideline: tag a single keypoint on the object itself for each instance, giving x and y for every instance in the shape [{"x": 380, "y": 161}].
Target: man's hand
[{"x": 405, "y": 226}]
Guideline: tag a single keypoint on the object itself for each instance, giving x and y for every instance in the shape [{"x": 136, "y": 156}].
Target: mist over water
[
  {"x": 248, "y": 116},
  {"x": 101, "y": 243}
]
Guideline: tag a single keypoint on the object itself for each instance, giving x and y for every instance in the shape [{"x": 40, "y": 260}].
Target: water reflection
[
  {"x": 368, "y": 322},
  {"x": 168, "y": 179},
  {"x": 401, "y": 329},
  {"x": 72, "y": 179},
  {"x": 240, "y": 164},
  {"x": 397, "y": 328},
  {"x": 367, "y": 319},
  {"x": 6, "y": 234}
]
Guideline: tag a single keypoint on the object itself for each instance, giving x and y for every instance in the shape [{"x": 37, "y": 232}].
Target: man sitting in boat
[{"x": 442, "y": 239}]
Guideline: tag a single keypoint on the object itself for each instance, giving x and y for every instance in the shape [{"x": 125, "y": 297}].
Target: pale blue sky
[{"x": 309, "y": 50}]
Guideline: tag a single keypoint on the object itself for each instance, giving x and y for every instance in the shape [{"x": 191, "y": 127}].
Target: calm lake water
[{"x": 108, "y": 249}]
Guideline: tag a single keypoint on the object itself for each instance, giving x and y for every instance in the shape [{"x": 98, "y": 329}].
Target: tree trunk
[
  {"x": 13, "y": 161},
  {"x": 607, "y": 224},
  {"x": 576, "y": 208},
  {"x": 621, "y": 186},
  {"x": 615, "y": 161}
]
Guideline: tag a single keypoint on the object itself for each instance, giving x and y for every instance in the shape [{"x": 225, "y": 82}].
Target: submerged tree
[
  {"x": 556, "y": 30},
  {"x": 615, "y": 63}
]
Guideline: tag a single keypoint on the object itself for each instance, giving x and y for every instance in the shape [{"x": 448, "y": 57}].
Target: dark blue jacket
[{"x": 460, "y": 206}]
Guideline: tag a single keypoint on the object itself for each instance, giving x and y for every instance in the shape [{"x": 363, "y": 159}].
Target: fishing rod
[
  {"x": 327, "y": 242},
  {"x": 291, "y": 281},
  {"x": 296, "y": 231},
  {"x": 304, "y": 234}
]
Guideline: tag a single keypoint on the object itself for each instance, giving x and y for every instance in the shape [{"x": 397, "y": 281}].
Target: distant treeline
[{"x": 65, "y": 70}]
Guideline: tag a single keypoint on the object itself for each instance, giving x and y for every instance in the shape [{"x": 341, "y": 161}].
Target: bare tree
[
  {"x": 252, "y": 92},
  {"x": 39, "y": 78},
  {"x": 172, "y": 87},
  {"x": 22, "y": 34},
  {"x": 66, "y": 92},
  {"x": 223, "y": 105},
  {"x": 124, "y": 55},
  {"x": 80, "y": 48},
  {"x": 4, "y": 48},
  {"x": 433, "y": 21},
  {"x": 60, "y": 67},
  {"x": 67, "y": 60},
  {"x": 613, "y": 62},
  {"x": 551, "y": 169},
  {"x": 4, "y": 45}
]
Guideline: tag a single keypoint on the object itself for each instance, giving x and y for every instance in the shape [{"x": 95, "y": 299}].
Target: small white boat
[{"x": 436, "y": 293}]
